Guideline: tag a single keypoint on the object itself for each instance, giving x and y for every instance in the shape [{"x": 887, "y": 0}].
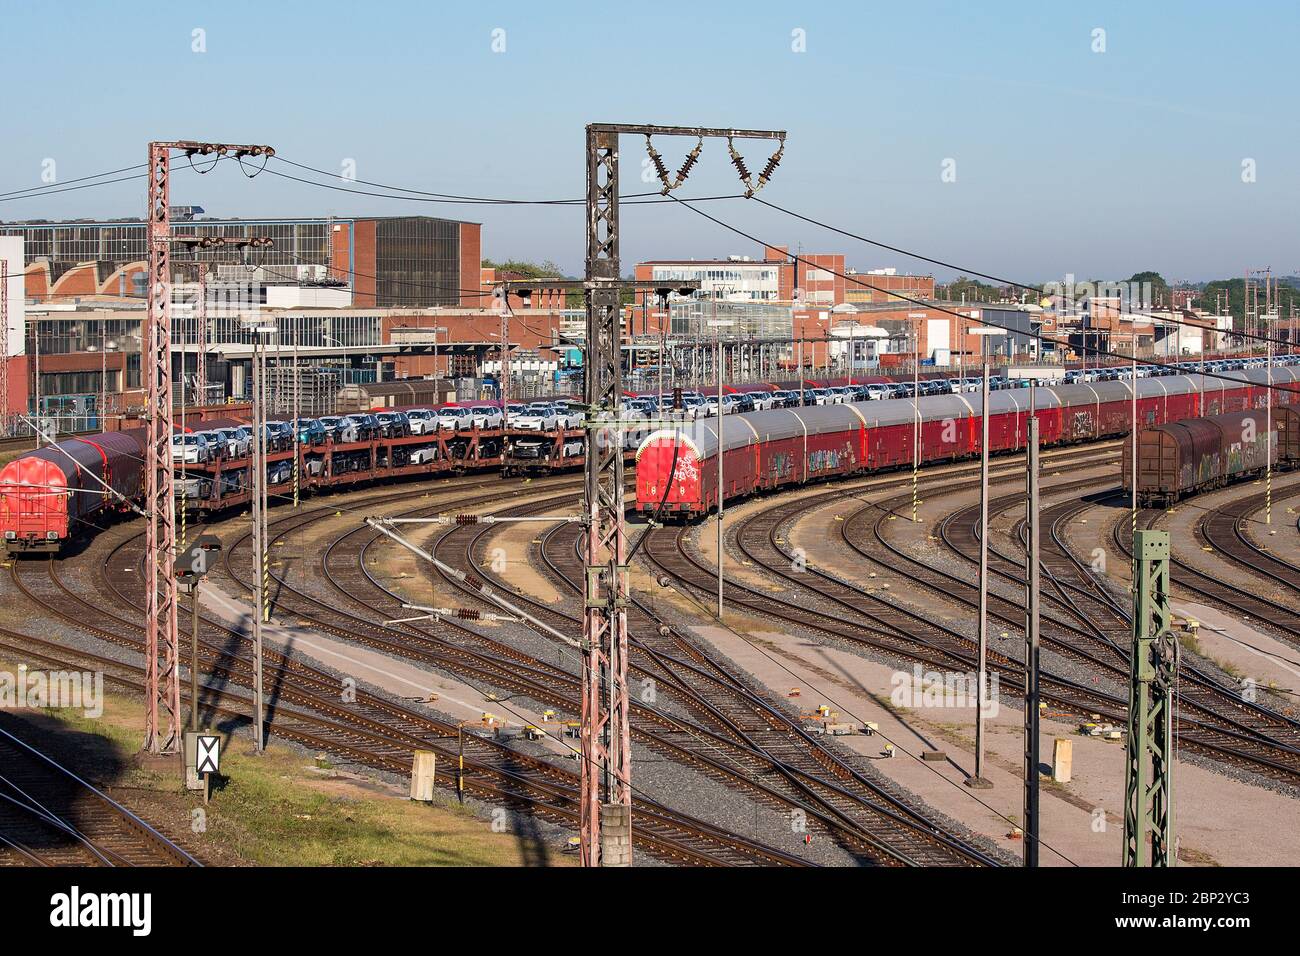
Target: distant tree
[
  {"x": 529, "y": 270},
  {"x": 974, "y": 290},
  {"x": 1159, "y": 289}
]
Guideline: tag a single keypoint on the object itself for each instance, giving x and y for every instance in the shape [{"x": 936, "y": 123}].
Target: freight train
[
  {"x": 677, "y": 468},
  {"x": 48, "y": 494},
  {"x": 1184, "y": 458}
]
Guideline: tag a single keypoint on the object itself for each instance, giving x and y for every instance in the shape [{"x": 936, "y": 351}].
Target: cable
[
  {"x": 632, "y": 199},
  {"x": 983, "y": 275},
  {"x": 81, "y": 179},
  {"x": 70, "y": 189},
  {"x": 1127, "y": 359}
]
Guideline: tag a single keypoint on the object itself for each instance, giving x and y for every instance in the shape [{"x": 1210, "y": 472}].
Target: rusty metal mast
[
  {"x": 606, "y": 742},
  {"x": 606, "y": 772},
  {"x": 163, "y": 719}
]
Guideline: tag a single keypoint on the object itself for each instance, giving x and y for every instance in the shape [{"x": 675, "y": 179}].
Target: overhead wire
[
  {"x": 1038, "y": 290},
  {"x": 922, "y": 303}
]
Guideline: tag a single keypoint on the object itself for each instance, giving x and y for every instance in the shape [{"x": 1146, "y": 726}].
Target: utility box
[
  {"x": 192, "y": 779},
  {"x": 423, "y": 768}
]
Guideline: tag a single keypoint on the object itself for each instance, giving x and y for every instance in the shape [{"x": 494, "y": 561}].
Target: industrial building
[{"x": 384, "y": 262}]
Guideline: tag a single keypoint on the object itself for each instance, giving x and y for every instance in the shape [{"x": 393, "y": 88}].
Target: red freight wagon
[
  {"x": 677, "y": 468},
  {"x": 1182, "y": 458},
  {"x": 53, "y": 493}
]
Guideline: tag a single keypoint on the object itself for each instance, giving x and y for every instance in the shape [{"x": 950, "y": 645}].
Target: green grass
[{"x": 285, "y": 807}]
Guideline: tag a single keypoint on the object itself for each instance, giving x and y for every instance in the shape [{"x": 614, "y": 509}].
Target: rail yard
[{"x": 510, "y": 474}]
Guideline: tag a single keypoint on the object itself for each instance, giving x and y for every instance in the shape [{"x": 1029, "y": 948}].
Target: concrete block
[
  {"x": 615, "y": 835},
  {"x": 1062, "y": 760},
  {"x": 423, "y": 768}
]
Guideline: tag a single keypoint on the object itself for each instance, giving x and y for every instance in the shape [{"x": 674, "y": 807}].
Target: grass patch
[{"x": 283, "y": 807}]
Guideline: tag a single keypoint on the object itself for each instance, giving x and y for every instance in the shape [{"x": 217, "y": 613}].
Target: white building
[
  {"x": 735, "y": 279},
  {"x": 11, "y": 252}
]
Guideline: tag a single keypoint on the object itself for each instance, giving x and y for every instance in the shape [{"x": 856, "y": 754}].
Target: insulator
[
  {"x": 473, "y": 583},
  {"x": 660, "y": 168},
  {"x": 664, "y": 630},
  {"x": 466, "y": 519},
  {"x": 691, "y": 159},
  {"x": 739, "y": 162},
  {"x": 770, "y": 168},
  {"x": 468, "y": 614}
]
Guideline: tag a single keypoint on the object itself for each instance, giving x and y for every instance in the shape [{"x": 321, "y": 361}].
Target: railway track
[
  {"x": 51, "y": 816},
  {"x": 775, "y": 746},
  {"x": 1274, "y": 616},
  {"x": 28, "y": 443},
  {"x": 371, "y": 732},
  {"x": 724, "y": 755},
  {"x": 1212, "y": 717},
  {"x": 1226, "y": 529},
  {"x": 867, "y": 617}
]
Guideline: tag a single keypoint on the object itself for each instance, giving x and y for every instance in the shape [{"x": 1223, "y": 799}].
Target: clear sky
[{"x": 1067, "y": 160}]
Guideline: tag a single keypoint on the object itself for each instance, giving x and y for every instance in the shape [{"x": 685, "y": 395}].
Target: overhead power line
[
  {"x": 1038, "y": 290},
  {"x": 38, "y": 190},
  {"x": 921, "y": 303},
  {"x": 420, "y": 195}
]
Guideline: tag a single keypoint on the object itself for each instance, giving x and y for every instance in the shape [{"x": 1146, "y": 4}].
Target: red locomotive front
[
  {"x": 33, "y": 505},
  {"x": 669, "y": 476}
]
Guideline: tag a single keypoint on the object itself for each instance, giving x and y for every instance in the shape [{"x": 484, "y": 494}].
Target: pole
[
  {"x": 194, "y": 656},
  {"x": 1133, "y": 438},
  {"x": 606, "y": 773},
  {"x": 977, "y": 780},
  {"x": 297, "y": 416},
  {"x": 460, "y": 761},
  {"x": 201, "y": 350},
  {"x": 1032, "y": 822},
  {"x": 103, "y": 373},
  {"x": 1268, "y": 418},
  {"x": 4, "y": 347},
  {"x": 720, "y": 475},
  {"x": 259, "y": 541},
  {"x": 916, "y": 423}
]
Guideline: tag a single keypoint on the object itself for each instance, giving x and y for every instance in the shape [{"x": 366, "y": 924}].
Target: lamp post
[
  {"x": 720, "y": 324},
  {"x": 916, "y": 419},
  {"x": 260, "y": 544},
  {"x": 977, "y": 780}
]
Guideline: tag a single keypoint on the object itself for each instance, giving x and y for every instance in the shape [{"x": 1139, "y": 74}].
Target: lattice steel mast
[
  {"x": 163, "y": 719},
  {"x": 606, "y": 741},
  {"x": 1148, "y": 823}
]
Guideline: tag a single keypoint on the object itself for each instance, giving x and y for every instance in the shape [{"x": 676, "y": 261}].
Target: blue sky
[{"x": 1067, "y": 160}]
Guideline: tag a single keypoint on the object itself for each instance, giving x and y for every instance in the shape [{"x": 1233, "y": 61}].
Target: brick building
[{"x": 386, "y": 262}]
